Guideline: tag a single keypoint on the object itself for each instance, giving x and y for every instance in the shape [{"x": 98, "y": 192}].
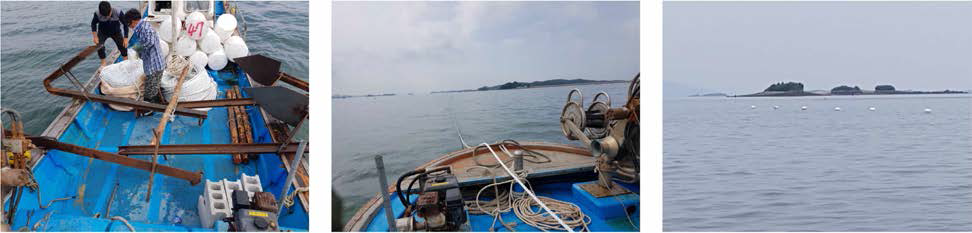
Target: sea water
[
  {"x": 410, "y": 130},
  {"x": 38, "y": 37},
  {"x": 731, "y": 167}
]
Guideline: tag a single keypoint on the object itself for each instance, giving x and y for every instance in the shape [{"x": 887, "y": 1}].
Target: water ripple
[{"x": 731, "y": 168}]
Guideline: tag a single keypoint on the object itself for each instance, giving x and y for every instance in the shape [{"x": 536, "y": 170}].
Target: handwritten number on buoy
[{"x": 195, "y": 30}]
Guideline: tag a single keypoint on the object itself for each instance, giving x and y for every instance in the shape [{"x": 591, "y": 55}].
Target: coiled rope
[
  {"x": 530, "y": 155},
  {"x": 560, "y": 215},
  {"x": 289, "y": 200}
]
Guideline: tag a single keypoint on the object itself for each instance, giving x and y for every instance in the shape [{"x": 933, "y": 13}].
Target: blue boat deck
[
  {"x": 557, "y": 190},
  {"x": 173, "y": 202}
]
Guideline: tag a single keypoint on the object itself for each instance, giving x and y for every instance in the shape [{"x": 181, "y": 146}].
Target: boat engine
[
  {"x": 253, "y": 216},
  {"x": 611, "y": 133},
  {"x": 439, "y": 205}
]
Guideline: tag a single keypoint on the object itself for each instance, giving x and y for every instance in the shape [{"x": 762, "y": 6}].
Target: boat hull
[{"x": 569, "y": 165}]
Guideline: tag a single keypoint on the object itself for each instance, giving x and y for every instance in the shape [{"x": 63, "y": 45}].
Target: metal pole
[
  {"x": 293, "y": 132},
  {"x": 518, "y": 160},
  {"x": 290, "y": 175},
  {"x": 176, "y": 8},
  {"x": 383, "y": 181}
]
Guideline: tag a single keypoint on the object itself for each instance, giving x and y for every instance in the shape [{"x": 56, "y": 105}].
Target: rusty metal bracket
[
  {"x": 266, "y": 71},
  {"x": 50, "y": 143},
  {"x": 77, "y": 83},
  {"x": 188, "y": 149},
  {"x": 298, "y": 83},
  {"x": 218, "y": 103},
  {"x": 64, "y": 69}
]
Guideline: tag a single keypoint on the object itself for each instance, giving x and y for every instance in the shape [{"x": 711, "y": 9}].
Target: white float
[
  {"x": 196, "y": 25},
  {"x": 210, "y": 42},
  {"x": 225, "y": 25},
  {"x": 803, "y": 108},
  {"x": 199, "y": 59},
  {"x": 165, "y": 29},
  {"x": 185, "y": 46},
  {"x": 217, "y": 60},
  {"x": 235, "y": 47},
  {"x": 837, "y": 109}
]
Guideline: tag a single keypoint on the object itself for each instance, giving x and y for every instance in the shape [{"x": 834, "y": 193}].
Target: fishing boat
[
  {"x": 227, "y": 164},
  {"x": 523, "y": 186}
]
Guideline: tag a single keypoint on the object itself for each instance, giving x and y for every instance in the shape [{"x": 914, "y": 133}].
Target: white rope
[
  {"x": 120, "y": 218},
  {"x": 289, "y": 201},
  {"x": 525, "y": 188}
]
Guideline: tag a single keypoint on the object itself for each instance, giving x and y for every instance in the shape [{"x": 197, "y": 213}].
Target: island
[
  {"x": 355, "y": 96},
  {"x": 537, "y": 84},
  {"x": 717, "y": 94},
  {"x": 796, "y": 89},
  {"x": 782, "y": 89}
]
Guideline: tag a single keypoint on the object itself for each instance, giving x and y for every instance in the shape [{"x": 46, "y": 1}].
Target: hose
[
  {"x": 409, "y": 189},
  {"x": 120, "y": 218},
  {"x": 398, "y": 185},
  {"x": 423, "y": 171},
  {"x": 52, "y": 201}
]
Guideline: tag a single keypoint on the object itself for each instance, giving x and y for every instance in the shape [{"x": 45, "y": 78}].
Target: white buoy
[
  {"x": 199, "y": 59},
  {"x": 210, "y": 42},
  {"x": 752, "y": 106},
  {"x": 217, "y": 60},
  {"x": 803, "y": 108},
  {"x": 164, "y": 47},
  {"x": 776, "y": 107},
  {"x": 165, "y": 29},
  {"x": 837, "y": 109},
  {"x": 235, "y": 47},
  {"x": 225, "y": 25},
  {"x": 872, "y": 108},
  {"x": 185, "y": 46},
  {"x": 927, "y": 110},
  {"x": 195, "y": 25}
]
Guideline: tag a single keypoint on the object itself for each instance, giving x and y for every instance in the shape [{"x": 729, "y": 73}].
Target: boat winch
[{"x": 611, "y": 133}]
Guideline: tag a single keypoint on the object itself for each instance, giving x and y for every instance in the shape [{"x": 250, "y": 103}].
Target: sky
[
  {"x": 403, "y": 47},
  {"x": 742, "y": 48}
]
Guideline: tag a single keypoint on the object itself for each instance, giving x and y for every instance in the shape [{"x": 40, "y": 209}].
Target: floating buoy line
[{"x": 837, "y": 109}]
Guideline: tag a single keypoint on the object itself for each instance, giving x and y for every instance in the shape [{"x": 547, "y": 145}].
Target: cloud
[{"x": 382, "y": 47}]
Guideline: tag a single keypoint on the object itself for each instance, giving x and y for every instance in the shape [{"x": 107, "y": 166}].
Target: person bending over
[
  {"x": 148, "y": 49},
  {"x": 107, "y": 23}
]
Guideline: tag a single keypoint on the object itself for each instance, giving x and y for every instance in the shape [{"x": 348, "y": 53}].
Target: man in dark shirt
[{"x": 106, "y": 23}]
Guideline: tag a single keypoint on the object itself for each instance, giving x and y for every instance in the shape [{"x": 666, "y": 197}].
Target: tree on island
[
  {"x": 884, "y": 88},
  {"x": 846, "y": 90},
  {"x": 787, "y": 87},
  {"x": 511, "y": 85}
]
